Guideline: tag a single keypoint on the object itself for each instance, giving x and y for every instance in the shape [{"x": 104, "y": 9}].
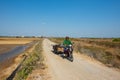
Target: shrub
[{"x": 116, "y": 40}]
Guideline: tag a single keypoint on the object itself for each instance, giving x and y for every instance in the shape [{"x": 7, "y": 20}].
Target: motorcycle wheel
[{"x": 71, "y": 57}]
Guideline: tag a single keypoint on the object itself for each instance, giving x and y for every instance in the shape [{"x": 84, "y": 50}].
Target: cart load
[{"x": 58, "y": 49}]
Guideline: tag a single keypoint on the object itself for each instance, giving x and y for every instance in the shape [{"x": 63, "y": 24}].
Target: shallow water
[{"x": 14, "y": 52}]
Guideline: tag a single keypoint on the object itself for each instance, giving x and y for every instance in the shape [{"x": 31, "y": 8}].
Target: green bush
[{"x": 116, "y": 40}]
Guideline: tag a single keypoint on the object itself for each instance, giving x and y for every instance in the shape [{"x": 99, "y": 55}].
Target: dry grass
[
  {"x": 57, "y": 40},
  {"x": 16, "y": 40}
]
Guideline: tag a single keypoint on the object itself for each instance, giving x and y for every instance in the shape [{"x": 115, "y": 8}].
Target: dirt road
[{"x": 80, "y": 69}]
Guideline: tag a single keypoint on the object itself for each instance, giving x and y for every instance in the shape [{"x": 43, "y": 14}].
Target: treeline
[{"x": 21, "y": 36}]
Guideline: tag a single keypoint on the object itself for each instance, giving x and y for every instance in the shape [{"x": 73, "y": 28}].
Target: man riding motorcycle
[
  {"x": 67, "y": 42},
  {"x": 67, "y": 46}
]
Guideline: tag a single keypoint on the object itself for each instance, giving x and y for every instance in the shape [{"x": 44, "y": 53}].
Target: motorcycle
[{"x": 68, "y": 51}]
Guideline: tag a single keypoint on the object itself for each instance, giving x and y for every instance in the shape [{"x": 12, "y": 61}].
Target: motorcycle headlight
[{"x": 70, "y": 45}]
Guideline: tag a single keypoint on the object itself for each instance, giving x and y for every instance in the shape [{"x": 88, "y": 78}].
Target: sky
[{"x": 60, "y": 18}]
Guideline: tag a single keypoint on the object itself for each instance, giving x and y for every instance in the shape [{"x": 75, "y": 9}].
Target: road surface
[{"x": 80, "y": 69}]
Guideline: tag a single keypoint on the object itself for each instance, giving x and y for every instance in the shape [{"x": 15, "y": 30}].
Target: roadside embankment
[{"x": 32, "y": 61}]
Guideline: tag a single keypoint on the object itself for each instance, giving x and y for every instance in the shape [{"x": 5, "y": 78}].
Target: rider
[{"x": 67, "y": 42}]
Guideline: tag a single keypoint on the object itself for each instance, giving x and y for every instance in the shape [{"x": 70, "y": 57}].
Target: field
[
  {"x": 104, "y": 50},
  {"x": 6, "y": 44},
  {"x": 88, "y": 50},
  {"x": 16, "y": 40}
]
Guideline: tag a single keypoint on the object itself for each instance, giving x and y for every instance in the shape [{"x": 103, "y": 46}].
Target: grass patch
[
  {"x": 30, "y": 62},
  {"x": 109, "y": 44},
  {"x": 116, "y": 40},
  {"x": 102, "y": 55},
  {"x": 57, "y": 40}
]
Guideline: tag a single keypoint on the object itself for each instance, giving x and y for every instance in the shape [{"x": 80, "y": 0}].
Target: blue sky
[{"x": 74, "y": 18}]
